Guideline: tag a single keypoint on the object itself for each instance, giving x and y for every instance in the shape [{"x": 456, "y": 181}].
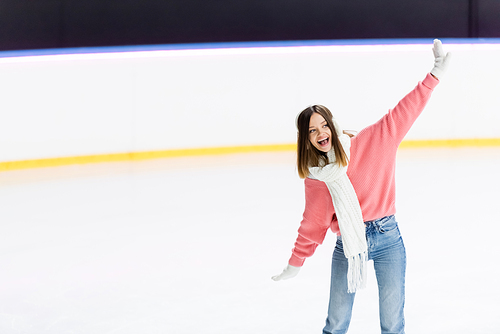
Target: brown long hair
[{"x": 307, "y": 154}]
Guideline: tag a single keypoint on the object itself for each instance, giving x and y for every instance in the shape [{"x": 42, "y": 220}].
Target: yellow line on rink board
[
  {"x": 430, "y": 143},
  {"x": 137, "y": 156},
  {"x": 190, "y": 152}
]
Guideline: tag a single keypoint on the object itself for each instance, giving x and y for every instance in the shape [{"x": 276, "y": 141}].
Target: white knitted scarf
[{"x": 348, "y": 211}]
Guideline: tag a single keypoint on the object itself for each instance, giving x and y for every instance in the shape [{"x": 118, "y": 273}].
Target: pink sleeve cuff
[
  {"x": 295, "y": 261},
  {"x": 430, "y": 82}
]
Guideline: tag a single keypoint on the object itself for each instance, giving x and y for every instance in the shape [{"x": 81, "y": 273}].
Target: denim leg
[
  {"x": 341, "y": 302},
  {"x": 389, "y": 259}
]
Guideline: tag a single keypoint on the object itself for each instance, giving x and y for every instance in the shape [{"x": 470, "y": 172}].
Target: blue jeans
[{"x": 386, "y": 249}]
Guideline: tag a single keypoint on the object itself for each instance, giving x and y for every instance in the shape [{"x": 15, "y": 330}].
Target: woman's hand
[
  {"x": 288, "y": 272},
  {"x": 440, "y": 60}
]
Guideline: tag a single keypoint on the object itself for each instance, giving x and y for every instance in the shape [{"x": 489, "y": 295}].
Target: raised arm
[{"x": 398, "y": 121}]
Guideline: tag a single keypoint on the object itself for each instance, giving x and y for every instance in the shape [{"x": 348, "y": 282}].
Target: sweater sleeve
[
  {"x": 398, "y": 121},
  {"x": 317, "y": 219}
]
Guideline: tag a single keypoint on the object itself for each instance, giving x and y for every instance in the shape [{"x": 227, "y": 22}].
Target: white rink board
[{"x": 71, "y": 105}]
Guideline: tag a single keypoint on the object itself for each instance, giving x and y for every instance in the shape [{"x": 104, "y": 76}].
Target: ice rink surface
[{"x": 189, "y": 245}]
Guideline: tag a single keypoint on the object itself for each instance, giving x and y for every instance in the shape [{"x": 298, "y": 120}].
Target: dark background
[{"x": 37, "y": 24}]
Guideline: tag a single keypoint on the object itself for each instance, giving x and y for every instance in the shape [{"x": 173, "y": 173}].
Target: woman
[{"x": 350, "y": 189}]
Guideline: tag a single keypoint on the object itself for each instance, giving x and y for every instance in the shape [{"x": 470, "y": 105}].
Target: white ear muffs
[{"x": 338, "y": 129}]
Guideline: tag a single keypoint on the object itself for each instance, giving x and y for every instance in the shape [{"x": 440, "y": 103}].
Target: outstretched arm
[
  {"x": 397, "y": 122},
  {"x": 318, "y": 215}
]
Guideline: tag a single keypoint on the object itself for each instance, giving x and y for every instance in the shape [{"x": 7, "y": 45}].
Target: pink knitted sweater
[{"x": 371, "y": 171}]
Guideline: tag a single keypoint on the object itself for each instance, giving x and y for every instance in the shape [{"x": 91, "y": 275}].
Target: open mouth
[{"x": 324, "y": 142}]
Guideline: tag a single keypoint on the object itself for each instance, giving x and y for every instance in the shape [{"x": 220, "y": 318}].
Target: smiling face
[{"x": 320, "y": 133}]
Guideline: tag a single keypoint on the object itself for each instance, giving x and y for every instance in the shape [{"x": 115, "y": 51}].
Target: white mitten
[
  {"x": 288, "y": 272},
  {"x": 440, "y": 59}
]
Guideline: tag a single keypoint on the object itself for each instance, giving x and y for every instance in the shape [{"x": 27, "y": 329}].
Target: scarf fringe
[{"x": 356, "y": 274}]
